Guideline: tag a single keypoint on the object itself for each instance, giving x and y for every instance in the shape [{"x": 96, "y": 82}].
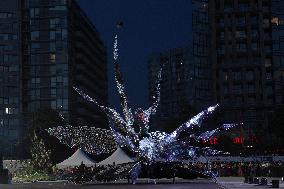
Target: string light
[{"x": 148, "y": 147}]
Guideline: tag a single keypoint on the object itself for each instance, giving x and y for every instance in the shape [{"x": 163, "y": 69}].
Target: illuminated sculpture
[{"x": 131, "y": 131}]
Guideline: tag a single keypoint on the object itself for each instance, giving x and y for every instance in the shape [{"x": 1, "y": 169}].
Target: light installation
[{"x": 131, "y": 130}]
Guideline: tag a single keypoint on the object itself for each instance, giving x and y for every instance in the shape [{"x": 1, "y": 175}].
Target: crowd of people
[
  {"x": 265, "y": 169},
  {"x": 189, "y": 170}
]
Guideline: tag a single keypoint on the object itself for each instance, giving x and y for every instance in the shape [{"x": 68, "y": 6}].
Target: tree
[
  {"x": 38, "y": 121},
  {"x": 44, "y": 118},
  {"x": 40, "y": 156}
]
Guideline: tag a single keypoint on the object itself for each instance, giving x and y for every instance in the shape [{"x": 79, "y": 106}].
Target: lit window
[
  {"x": 275, "y": 21},
  {"x": 226, "y": 76},
  {"x": 52, "y": 58},
  {"x": 11, "y": 110},
  {"x": 267, "y": 63}
]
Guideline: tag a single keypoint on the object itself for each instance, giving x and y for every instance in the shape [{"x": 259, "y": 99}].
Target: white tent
[
  {"x": 76, "y": 159},
  {"x": 202, "y": 159},
  {"x": 118, "y": 157}
]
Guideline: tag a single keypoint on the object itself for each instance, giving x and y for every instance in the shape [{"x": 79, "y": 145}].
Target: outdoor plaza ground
[{"x": 223, "y": 183}]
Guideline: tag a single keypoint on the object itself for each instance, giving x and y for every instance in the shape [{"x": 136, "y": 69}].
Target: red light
[
  {"x": 213, "y": 141},
  {"x": 238, "y": 140}
]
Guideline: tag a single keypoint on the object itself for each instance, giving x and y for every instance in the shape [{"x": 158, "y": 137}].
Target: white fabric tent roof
[
  {"x": 76, "y": 159},
  {"x": 118, "y": 157},
  {"x": 202, "y": 159}
]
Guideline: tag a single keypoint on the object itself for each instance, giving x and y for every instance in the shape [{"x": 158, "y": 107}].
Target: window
[
  {"x": 11, "y": 110},
  {"x": 52, "y": 35},
  {"x": 53, "y": 92},
  {"x": 251, "y": 88},
  {"x": 269, "y": 90},
  {"x": 10, "y": 58},
  {"x": 266, "y": 23},
  {"x": 35, "y": 80},
  {"x": 225, "y": 76},
  {"x": 58, "y": 8},
  {"x": 237, "y": 75},
  {"x": 35, "y": 46},
  {"x": 254, "y": 19},
  {"x": 35, "y": 94},
  {"x": 250, "y": 75},
  {"x": 228, "y": 6},
  {"x": 57, "y": 23},
  {"x": 254, "y": 46},
  {"x": 221, "y": 22},
  {"x": 241, "y": 34},
  {"x": 8, "y": 47},
  {"x": 222, "y": 35},
  {"x": 226, "y": 89},
  {"x": 58, "y": 35},
  {"x": 251, "y": 100},
  {"x": 34, "y": 12},
  {"x": 52, "y": 69},
  {"x": 64, "y": 34},
  {"x": 6, "y": 15},
  {"x": 35, "y": 35},
  {"x": 268, "y": 76},
  {"x": 52, "y": 47},
  {"x": 243, "y": 6},
  {"x": 239, "y": 100},
  {"x": 254, "y": 34},
  {"x": 52, "y": 58},
  {"x": 241, "y": 21},
  {"x": 53, "y": 82},
  {"x": 267, "y": 63},
  {"x": 237, "y": 88},
  {"x": 53, "y": 104},
  {"x": 242, "y": 47},
  {"x": 5, "y": 37},
  {"x": 268, "y": 49},
  {"x": 221, "y": 49},
  {"x": 65, "y": 104},
  {"x": 276, "y": 21}
]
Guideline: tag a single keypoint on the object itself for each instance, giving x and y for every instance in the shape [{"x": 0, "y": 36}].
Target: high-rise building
[
  {"x": 10, "y": 74},
  {"x": 245, "y": 53},
  {"x": 184, "y": 84},
  {"x": 47, "y": 47}
]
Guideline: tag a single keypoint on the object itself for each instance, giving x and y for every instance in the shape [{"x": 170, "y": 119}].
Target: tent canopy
[
  {"x": 76, "y": 159},
  {"x": 118, "y": 157},
  {"x": 202, "y": 159}
]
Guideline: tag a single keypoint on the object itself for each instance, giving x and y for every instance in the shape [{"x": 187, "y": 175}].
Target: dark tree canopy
[{"x": 37, "y": 123}]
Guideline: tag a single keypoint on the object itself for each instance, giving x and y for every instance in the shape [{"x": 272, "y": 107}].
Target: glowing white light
[{"x": 148, "y": 147}]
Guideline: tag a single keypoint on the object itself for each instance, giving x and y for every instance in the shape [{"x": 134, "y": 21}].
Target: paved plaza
[
  {"x": 237, "y": 183},
  {"x": 223, "y": 183},
  {"x": 181, "y": 184}
]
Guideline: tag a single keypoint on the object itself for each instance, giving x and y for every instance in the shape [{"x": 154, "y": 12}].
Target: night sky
[{"x": 149, "y": 26}]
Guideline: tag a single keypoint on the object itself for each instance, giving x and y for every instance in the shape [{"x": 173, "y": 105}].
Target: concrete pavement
[{"x": 238, "y": 183}]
